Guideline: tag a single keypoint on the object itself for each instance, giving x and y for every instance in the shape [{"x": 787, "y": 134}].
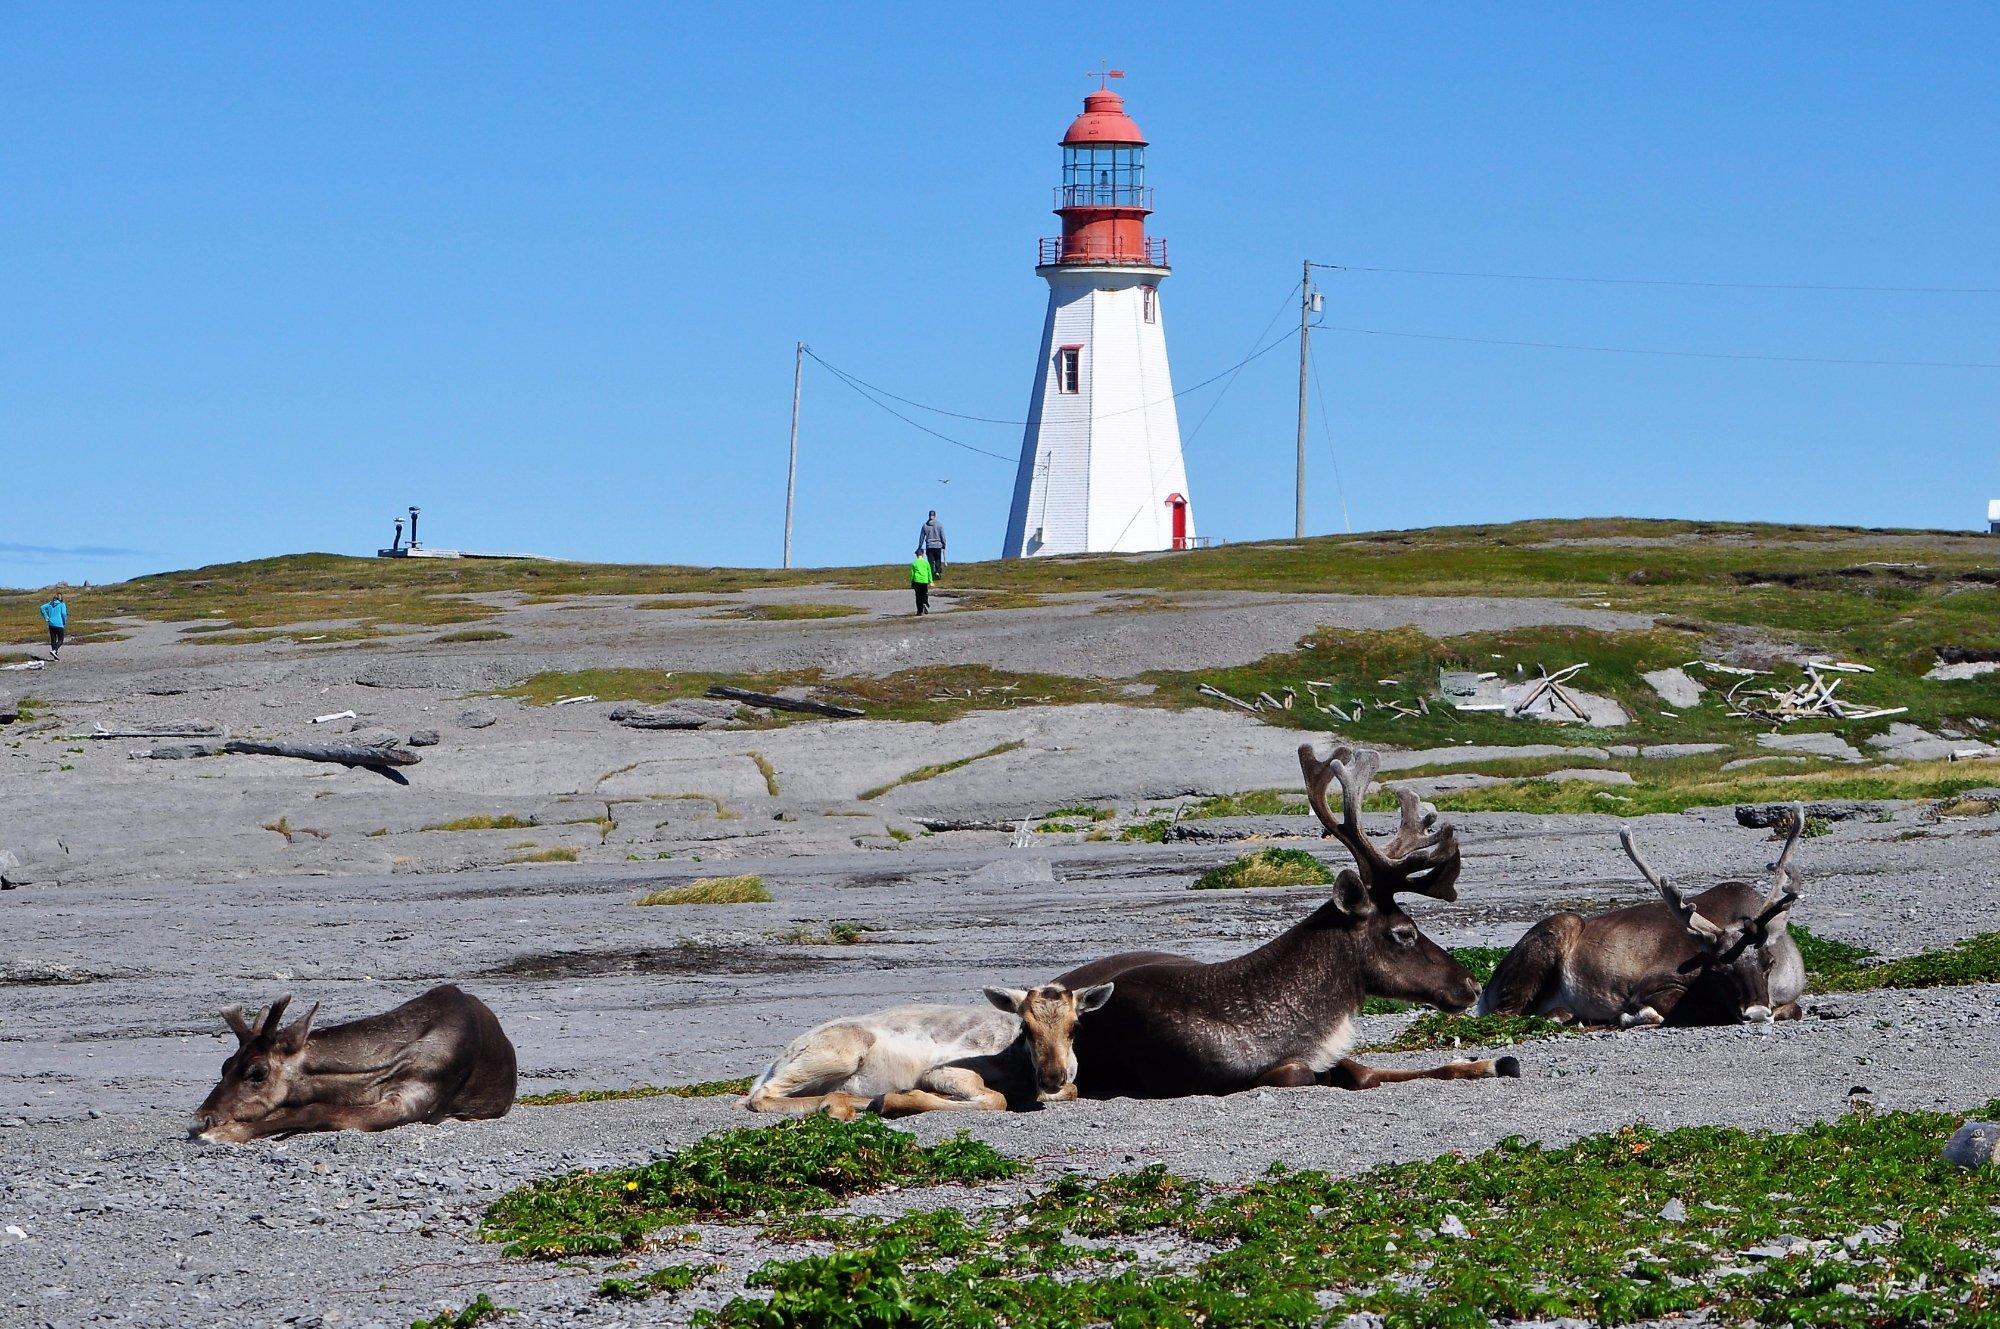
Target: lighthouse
[{"x": 1101, "y": 467}]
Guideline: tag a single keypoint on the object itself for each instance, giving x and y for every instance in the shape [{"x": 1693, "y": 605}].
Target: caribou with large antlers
[
  {"x": 1721, "y": 957},
  {"x": 1284, "y": 1014}
]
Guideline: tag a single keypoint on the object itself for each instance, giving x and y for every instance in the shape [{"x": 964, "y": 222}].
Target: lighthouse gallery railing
[{"x": 1149, "y": 253}]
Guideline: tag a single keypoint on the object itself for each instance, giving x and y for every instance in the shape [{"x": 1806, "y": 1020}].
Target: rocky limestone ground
[{"x": 151, "y": 895}]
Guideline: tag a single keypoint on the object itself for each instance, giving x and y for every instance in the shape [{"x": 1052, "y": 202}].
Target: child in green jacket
[{"x": 920, "y": 582}]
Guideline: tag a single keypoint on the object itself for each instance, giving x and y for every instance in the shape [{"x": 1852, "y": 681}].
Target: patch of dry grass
[
  {"x": 785, "y": 613},
  {"x": 560, "y": 854},
  {"x": 923, "y": 773},
  {"x": 503, "y": 822},
  {"x": 746, "y": 889}
]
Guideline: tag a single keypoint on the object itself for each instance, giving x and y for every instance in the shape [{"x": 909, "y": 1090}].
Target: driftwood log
[
  {"x": 382, "y": 760},
  {"x": 191, "y": 729},
  {"x": 777, "y": 703}
]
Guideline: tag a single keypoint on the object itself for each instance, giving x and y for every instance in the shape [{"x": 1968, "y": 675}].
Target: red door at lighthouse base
[{"x": 1180, "y": 506}]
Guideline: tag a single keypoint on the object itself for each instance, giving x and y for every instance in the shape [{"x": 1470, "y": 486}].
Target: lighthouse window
[
  {"x": 1100, "y": 176},
  {"x": 1069, "y": 369},
  {"x": 1150, "y": 298}
]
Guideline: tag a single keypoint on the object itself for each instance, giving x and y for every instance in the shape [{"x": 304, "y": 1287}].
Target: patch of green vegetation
[
  {"x": 731, "y": 1176},
  {"x": 923, "y": 773},
  {"x": 559, "y": 854},
  {"x": 1438, "y": 1029},
  {"x": 1974, "y": 960},
  {"x": 934, "y": 693},
  {"x": 1635, "y": 1224},
  {"x": 470, "y": 635},
  {"x": 961, "y": 599},
  {"x": 1082, "y": 811},
  {"x": 745, "y": 889},
  {"x": 1055, "y": 828},
  {"x": 768, "y": 771},
  {"x": 1265, "y": 867},
  {"x": 840, "y": 932},
  {"x": 1675, "y": 786},
  {"x": 684, "y": 602},
  {"x": 1252, "y": 803},
  {"x": 673, "y": 1278},
  {"x": 1147, "y": 832},
  {"x": 1824, "y": 955},
  {"x": 899, "y": 835},
  {"x": 705, "y": 1089},
  {"x": 300, "y": 636},
  {"x": 481, "y": 1309},
  {"x": 784, "y": 613},
  {"x": 502, "y": 822}
]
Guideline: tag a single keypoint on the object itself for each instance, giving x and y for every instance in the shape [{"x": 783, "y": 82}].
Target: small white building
[
  {"x": 1993, "y": 516},
  {"x": 1101, "y": 467}
]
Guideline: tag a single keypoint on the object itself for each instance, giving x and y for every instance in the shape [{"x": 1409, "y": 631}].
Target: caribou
[
  {"x": 1283, "y": 1015},
  {"x": 1721, "y": 957},
  {"x": 1015, "y": 1056},
  {"x": 435, "y": 1057}
]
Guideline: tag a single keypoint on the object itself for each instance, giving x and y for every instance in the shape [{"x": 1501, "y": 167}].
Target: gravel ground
[{"x": 127, "y": 1221}]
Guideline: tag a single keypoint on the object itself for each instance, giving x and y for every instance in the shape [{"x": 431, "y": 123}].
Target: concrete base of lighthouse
[{"x": 1101, "y": 468}]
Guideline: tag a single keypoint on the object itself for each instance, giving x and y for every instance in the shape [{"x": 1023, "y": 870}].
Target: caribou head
[
  {"x": 1396, "y": 959},
  {"x": 1734, "y": 955},
  {"x": 259, "y": 1077}
]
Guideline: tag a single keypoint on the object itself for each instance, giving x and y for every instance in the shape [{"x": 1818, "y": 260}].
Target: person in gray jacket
[{"x": 930, "y": 543}]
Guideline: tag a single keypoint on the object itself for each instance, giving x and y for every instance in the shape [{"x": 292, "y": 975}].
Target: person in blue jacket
[{"x": 55, "y": 613}]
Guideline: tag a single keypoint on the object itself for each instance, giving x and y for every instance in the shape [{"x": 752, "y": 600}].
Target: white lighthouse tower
[{"x": 1101, "y": 466}]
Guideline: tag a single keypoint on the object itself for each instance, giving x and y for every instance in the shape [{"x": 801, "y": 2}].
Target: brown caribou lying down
[
  {"x": 1284, "y": 1013},
  {"x": 912, "y": 1059},
  {"x": 1720, "y": 957},
  {"x": 437, "y": 1056}
]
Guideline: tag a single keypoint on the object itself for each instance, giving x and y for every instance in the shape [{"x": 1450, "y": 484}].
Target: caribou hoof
[{"x": 1507, "y": 1068}]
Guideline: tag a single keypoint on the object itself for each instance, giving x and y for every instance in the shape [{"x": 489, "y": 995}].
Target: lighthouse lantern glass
[{"x": 1104, "y": 176}]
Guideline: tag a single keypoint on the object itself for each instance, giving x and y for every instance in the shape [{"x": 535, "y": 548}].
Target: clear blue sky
[{"x": 274, "y": 272}]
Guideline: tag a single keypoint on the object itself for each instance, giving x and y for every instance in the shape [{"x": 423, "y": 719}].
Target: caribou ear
[
  {"x": 1092, "y": 997},
  {"x": 1351, "y": 895},
  {"x": 1010, "y": 1000},
  {"x": 233, "y": 1017}
]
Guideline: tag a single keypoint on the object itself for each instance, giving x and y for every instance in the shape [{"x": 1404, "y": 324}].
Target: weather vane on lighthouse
[{"x": 1101, "y": 465}]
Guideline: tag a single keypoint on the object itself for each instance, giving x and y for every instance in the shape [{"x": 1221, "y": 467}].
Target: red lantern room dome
[
  {"x": 1103, "y": 199},
  {"x": 1103, "y": 121}
]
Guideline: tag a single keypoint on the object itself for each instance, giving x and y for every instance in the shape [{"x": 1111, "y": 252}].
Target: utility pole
[
  {"x": 1305, "y": 334},
  {"x": 792, "y": 471}
]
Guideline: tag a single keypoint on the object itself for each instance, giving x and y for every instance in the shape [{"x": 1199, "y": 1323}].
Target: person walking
[
  {"x": 930, "y": 543},
  {"x": 55, "y": 613},
  {"x": 920, "y": 582}
]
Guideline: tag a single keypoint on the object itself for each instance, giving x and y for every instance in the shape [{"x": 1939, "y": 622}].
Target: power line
[
  {"x": 1678, "y": 354},
  {"x": 874, "y": 393},
  {"x": 1665, "y": 281},
  {"x": 914, "y": 424},
  {"x": 1283, "y": 305}
]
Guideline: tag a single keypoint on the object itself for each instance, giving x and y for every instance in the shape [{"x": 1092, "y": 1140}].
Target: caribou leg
[
  {"x": 943, "y": 1089},
  {"x": 1351, "y": 1074},
  {"x": 1287, "y": 1075}
]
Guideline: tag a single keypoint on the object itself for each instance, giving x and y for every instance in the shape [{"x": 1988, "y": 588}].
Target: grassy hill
[{"x": 1756, "y": 595}]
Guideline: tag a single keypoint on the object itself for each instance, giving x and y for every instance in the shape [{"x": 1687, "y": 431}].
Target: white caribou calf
[{"x": 912, "y": 1059}]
